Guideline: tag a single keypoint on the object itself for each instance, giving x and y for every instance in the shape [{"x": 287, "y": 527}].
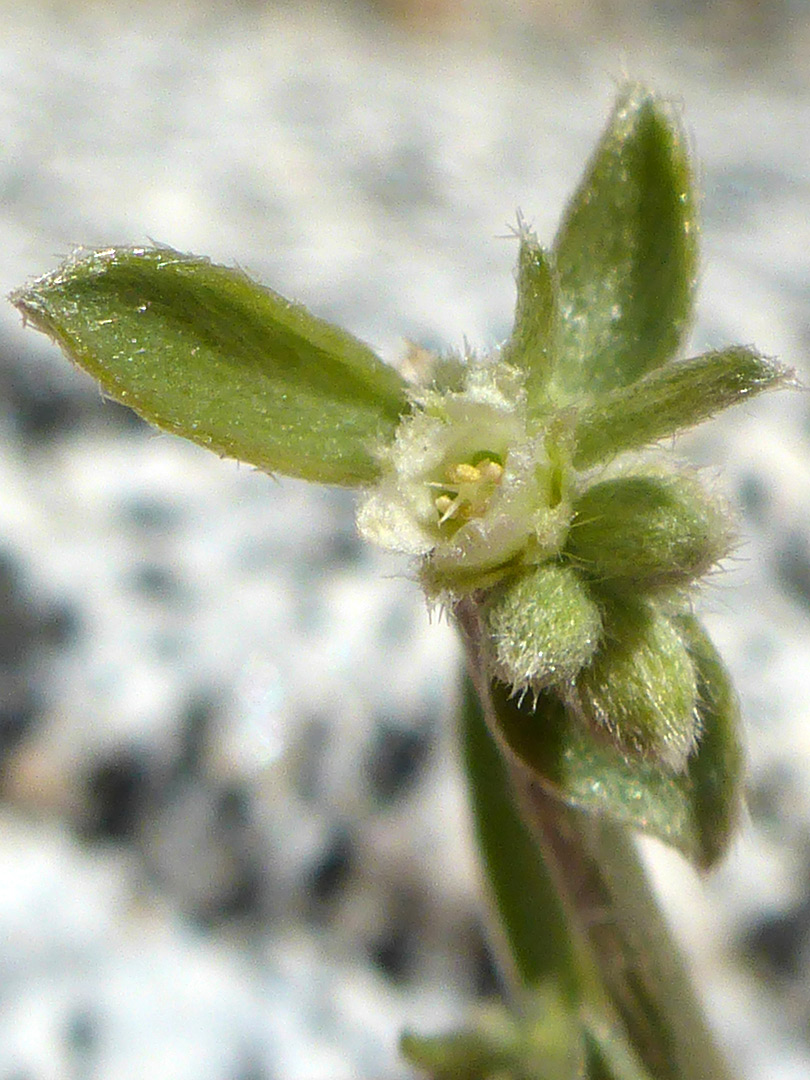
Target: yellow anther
[
  {"x": 463, "y": 473},
  {"x": 491, "y": 472},
  {"x": 466, "y": 490}
]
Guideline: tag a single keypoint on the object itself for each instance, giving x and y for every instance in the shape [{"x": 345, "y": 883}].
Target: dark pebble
[
  {"x": 396, "y": 758},
  {"x": 792, "y": 564},
  {"x": 154, "y": 582},
  {"x": 392, "y": 953},
  {"x": 776, "y": 942},
  {"x": 117, "y": 791},
  {"x": 329, "y": 876}
]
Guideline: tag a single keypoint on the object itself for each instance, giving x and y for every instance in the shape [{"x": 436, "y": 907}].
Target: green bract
[
  {"x": 641, "y": 686},
  {"x": 501, "y": 474}
]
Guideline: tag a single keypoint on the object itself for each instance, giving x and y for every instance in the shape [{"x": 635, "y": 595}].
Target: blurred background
[{"x": 233, "y": 836}]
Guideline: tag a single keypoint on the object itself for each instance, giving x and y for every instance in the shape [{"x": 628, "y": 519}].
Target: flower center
[{"x": 466, "y": 489}]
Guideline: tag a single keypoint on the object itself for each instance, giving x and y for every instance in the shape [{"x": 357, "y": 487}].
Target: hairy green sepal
[
  {"x": 695, "y": 810},
  {"x": 542, "y": 627},
  {"x": 670, "y": 400},
  {"x": 641, "y": 686},
  {"x": 532, "y": 344},
  {"x": 204, "y": 352},
  {"x": 648, "y": 532}
]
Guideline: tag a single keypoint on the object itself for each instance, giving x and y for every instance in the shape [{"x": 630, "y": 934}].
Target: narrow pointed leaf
[
  {"x": 672, "y": 399},
  {"x": 626, "y": 253},
  {"x": 694, "y": 811},
  {"x": 531, "y": 346},
  {"x": 717, "y": 773},
  {"x": 204, "y": 352}
]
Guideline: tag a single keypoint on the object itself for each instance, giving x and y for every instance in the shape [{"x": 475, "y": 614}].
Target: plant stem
[
  {"x": 574, "y": 902},
  {"x": 542, "y": 941},
  {"x": 597, "y": 867},
  {"x": 532, "y": 918}
]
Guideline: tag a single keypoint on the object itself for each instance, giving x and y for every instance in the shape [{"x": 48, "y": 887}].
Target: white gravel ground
[{"x": 233, "y": 837}]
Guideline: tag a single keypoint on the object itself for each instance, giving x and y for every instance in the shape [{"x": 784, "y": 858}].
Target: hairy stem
[{"x": 585, "y": 883}]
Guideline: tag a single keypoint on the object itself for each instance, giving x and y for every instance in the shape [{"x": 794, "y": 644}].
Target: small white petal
[{"x": 463, "y": 483}]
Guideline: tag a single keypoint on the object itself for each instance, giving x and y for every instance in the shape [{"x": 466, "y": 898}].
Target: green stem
[
  {"x": 659, "y": 983},
  {"x": 640, "y": 962},
  {"x": 575, "y": 904},
  {"x": 532, "y": 918},
  {"x": 543, "y": 941}
]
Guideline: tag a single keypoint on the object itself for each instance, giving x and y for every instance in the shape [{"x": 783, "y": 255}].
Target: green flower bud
[
  {"x": 652, "y": 532},
  {"x": 641, "y": 687},
  {"x": 542, "y": 627}
]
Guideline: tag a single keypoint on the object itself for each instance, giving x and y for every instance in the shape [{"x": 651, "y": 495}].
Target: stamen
[
  {"x": 467, "y": 489},
  {"x": 457, "y": 508},
  {"x": 463, "y": 474},
  {"x": 491, "y": 471},
  {"x": 443, "y": 503}
]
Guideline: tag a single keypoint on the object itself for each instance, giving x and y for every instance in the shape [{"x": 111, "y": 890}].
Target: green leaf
[
  {"x": 694, "y": 811},
  {"x": 672, "y": 399},
  {"x": 531, "y": 346},
  {"x": 626, "y": 253},
  {"x": 204, "y": 352},
  {"x": 648, "y": 532},
  {"x": 717, "y": 772}
]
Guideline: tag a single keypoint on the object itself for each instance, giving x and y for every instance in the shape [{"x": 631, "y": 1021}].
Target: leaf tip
[{"x": 31, "y": 306}]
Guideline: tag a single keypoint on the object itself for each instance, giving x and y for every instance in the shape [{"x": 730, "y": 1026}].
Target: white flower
[{"x": 469, "y": 484}]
